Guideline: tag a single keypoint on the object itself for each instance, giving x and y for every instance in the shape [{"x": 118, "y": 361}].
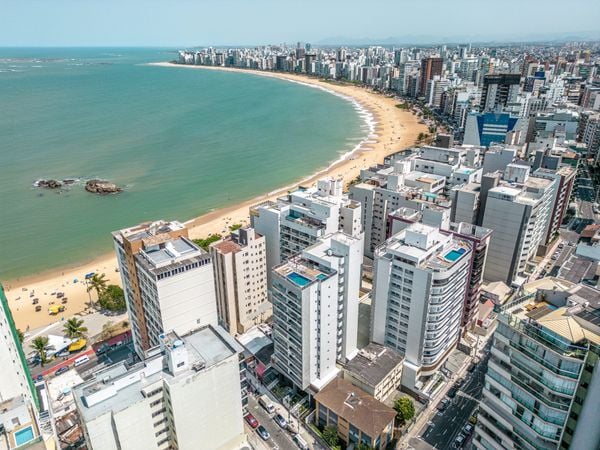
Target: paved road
[
  {"x": 446, "y": 426},
  {"x": 280, "y": 438}
]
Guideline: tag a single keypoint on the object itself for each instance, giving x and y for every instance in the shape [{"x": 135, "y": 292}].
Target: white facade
[
  {"x": 168, "y": 282},
  {"x": 315, "y": 310},
  {"x": 297, "y": 221},
  {"x": 186, "y": 394},
  {"x": 15, "y": 380},
  {"x": 519, "y": 216},
  {"x": 420, "y": 284},
  {"x": 240, "y": 263}
]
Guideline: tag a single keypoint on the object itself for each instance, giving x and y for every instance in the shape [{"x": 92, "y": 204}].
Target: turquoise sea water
[{"x": 182, "y": 142}]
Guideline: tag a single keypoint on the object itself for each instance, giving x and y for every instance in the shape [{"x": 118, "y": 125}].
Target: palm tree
[
  {"x": 97, "y": 283},
  {"x": 40, "y": 344},
  {"x": 20, "y": 335},
  {"x": 74, "y": 328}
]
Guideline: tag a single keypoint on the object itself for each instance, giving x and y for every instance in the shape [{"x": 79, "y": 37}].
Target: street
[
  {"x": 443, "y": 429},
  {"x": 280, "y": 438}
]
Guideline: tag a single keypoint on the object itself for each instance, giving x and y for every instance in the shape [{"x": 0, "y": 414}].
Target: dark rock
[
  {"x": 102, "y": 187},
  {"x": 48, "y": 184}
]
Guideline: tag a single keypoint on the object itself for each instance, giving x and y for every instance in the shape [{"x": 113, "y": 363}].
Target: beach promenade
[{"x": 393, "y": 130}]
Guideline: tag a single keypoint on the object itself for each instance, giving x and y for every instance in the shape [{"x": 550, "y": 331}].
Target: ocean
[{"x": 180, "y": 142}]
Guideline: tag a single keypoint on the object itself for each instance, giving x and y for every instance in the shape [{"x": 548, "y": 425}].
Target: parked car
[
  {"x": 459, "y": 441},
  {"x": 452, "y": 392},
  {"x": 251, "y": 420},
  {"x": 473, "y": 419},
  {"x": 280, "y": 420},
  {"x": 263, "y": 433},
  {"x": 471, "y": 368},
  {"x": 441, "y": 406},
  {"x": 266, "y": 403},
  {"x": 467, "y": 429},
  {"x": 61, "y": 370}
]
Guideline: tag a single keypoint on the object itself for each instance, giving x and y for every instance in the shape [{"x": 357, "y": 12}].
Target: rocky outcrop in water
[
  {"x": 102, "y": 187},
  {"x": 48, "y": 184}
]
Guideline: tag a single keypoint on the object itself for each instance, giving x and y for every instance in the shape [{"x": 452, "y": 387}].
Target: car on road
[
  {"x": 459, "y": 441},
  {"x": 251, "y": 420},
  {"x": 61, "y": 370},
  {"x": 263, "y": 433},
  {"x": 441, "y": 406},
  {"x": 280, "y": 420}
]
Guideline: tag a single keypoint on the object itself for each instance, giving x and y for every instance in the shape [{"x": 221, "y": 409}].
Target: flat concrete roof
[{"x": 374, "y": 363}]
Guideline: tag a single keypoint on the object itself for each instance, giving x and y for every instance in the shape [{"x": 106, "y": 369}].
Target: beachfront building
[
  {"x": 518, "y": 210},
  {"x": 542, "y": 386},
  {"x": 315, "y": 310},
  {"x": 240, "y": 263},
  {"x": 301, "y": 218},
  {"x": 16, "y": 380},
  {"x": 420, "y": 283},
  {"x": 357, "y": 416},
  {"x": 185, "y": 394},
  {"x": 167, "y": 279}
]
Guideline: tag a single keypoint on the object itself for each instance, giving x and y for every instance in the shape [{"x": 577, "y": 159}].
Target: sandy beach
[{"x": 394, "y": 129}]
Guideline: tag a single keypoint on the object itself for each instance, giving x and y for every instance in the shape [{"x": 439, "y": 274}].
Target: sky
[{"x": 189, "y": 23}]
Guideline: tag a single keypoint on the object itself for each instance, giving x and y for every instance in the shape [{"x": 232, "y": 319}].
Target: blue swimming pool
[
  {"x": 454, "y": 254},
  {"x": 23, "y": 436},
  {"x": 298, "y": 279}
]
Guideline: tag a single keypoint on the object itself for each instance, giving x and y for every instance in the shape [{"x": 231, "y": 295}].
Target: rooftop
[
  {"x": 169, "y": 255},
  {"x": 302, "y": 272},
  {"x": 427, "y": 247},
  {"x": 119, "y": 386},
  {"x": 373, "y": 363},
  {"x": 356, "y": 406},
  {"x": 148, "y": 230}
]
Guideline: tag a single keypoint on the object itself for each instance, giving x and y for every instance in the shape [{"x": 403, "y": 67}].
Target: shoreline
[{"x": 390, "y": 130}]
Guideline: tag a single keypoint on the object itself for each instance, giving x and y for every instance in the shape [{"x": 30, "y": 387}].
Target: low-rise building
[
  {"x": 19, "y": 428},
  {"x": 357, "y": 416},
  {"x": 376, "y": 369}
]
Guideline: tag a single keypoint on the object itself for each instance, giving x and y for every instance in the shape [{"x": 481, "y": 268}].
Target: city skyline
[{"x": 68, "y": 23}]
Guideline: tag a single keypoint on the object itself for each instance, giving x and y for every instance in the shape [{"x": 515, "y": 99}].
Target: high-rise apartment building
[
  {"x": 542, "y": 386},
  {"x": 315, "y": 310},
  {"x": 16, "y": 380},
  {"x": 565, "y": 178},
  {"x": 240, "y": 264},
  {"x": 499, "y": 90},
  {"x": 301, "y": 218},
  {"x": 184, "y": 394},
  {"x": 518, "y": 212},
  {"x": 168, "y": 281},
  {"x": 430, "y": 67},
  {"x": 420, "y": 282}
]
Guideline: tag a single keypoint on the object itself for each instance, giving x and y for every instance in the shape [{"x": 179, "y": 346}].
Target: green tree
[
  {"x": 205, "y": 243},
  {"x": 363, "y": 446},
  {"x": 20, "y": 335},
  {"x": 74, "y": 328},
  {"x": 330, "y": 435},
  {"x": 40, "y": 345},
  {"x": 405, "y": 409},
  {"x": 421, "y": 136},
  {"x": 112, "y": 298},
  {"x": 235, "y": 226},
  {"x": 97, "y": 283}
]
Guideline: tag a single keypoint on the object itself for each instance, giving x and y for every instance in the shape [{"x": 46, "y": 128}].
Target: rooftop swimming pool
[
  {"x": 454, "y": 254},
  {"x": 298, "y": 279},
  {"x": 23, "y": 436}
]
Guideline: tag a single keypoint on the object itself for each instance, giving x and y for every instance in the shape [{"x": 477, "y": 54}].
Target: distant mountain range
[{"x": 429, "y": 39}]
